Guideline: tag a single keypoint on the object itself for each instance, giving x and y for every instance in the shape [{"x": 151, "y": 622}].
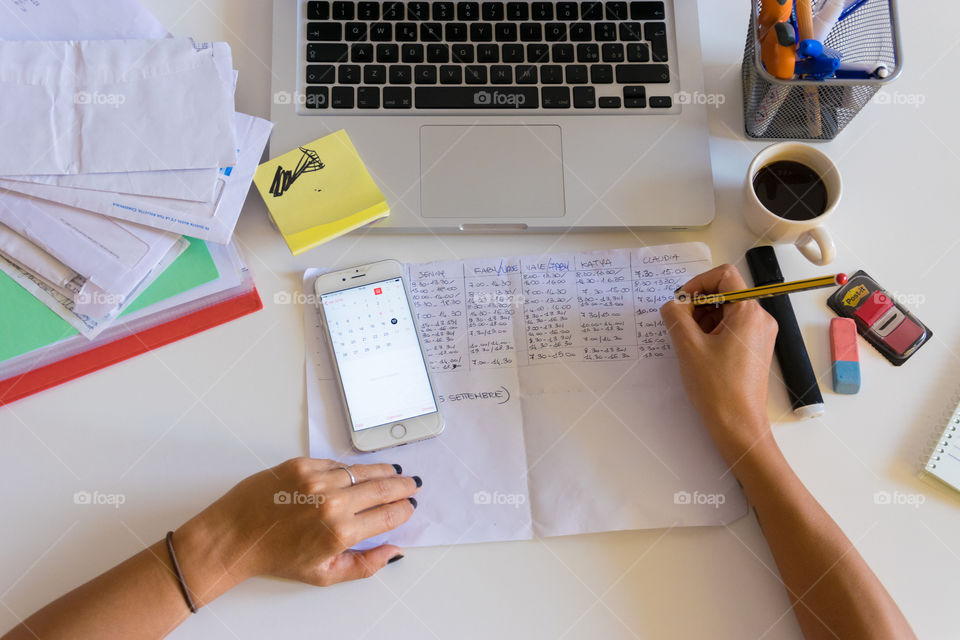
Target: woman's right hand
[{"x": 725, "y": 356}]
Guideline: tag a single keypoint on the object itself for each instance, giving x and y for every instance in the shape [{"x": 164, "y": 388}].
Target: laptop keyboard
[{"x": 582, "y": 57}]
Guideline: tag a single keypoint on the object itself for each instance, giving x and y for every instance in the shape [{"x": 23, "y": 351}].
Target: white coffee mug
[{"x": 810, "y": 236}]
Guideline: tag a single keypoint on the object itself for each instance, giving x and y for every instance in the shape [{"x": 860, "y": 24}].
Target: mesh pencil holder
[{"x": 775, "y": 109}]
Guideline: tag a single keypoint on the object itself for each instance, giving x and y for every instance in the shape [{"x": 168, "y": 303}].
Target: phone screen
[{"x": 381, "y": 364}]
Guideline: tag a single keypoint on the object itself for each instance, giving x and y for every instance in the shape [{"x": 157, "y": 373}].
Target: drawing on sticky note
[{"x": 284, "y": 179}]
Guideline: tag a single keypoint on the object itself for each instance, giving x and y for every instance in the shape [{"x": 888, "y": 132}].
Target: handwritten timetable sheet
[{"x": 562, "y": 399}]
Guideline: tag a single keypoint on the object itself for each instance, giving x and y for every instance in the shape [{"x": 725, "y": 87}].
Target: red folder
[{"x": 127, "y": 346}]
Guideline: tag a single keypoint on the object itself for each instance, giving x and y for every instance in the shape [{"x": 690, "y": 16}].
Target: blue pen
[
  {"x": 860, "y": 71},
  {"x": 850, "y": 9}
]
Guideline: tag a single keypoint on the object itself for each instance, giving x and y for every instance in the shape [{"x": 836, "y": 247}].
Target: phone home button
[{"x": 398, "y": 431}]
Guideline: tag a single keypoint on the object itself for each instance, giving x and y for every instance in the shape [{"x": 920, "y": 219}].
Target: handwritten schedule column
[
  {"x": 656, "y": 275},
  {"x": 605, "y": 300},
  {"x": 492, "y": 292},
  {"x": 549, "y": 310},
  {"x": 437, "y": 292}
]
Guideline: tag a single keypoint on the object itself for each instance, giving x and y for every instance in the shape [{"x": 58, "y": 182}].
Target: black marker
[{"x": 791, "y": 353}]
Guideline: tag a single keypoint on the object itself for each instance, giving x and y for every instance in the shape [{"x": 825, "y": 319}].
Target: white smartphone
[{"x": 384, "y": 379}]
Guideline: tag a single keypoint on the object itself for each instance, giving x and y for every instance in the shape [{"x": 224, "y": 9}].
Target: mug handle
[{"x": 822, "y": 239}]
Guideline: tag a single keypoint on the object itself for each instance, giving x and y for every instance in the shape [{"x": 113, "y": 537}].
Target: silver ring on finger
[{"x": 353, "y": 478}]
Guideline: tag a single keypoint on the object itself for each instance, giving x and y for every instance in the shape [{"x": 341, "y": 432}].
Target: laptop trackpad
[{"x": 491, "y": 171}]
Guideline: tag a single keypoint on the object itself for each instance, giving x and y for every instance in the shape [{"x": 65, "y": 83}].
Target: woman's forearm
[{"x": 833, "y": 591}]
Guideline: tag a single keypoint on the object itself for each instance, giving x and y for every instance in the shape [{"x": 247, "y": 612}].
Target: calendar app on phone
[{"x": 375, "y": 344}]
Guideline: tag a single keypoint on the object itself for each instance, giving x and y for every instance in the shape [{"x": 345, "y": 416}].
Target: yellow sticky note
[{"x": 319, "y": 191}]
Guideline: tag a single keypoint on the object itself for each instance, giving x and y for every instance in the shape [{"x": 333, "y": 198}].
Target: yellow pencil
[{"x": 766, "y": 291}]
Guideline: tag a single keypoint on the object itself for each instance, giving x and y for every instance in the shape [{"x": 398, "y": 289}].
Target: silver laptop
[{"x": 505, "y": 116}]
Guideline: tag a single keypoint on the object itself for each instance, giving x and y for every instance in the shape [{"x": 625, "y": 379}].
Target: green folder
[{"x": 27, "y": 324}]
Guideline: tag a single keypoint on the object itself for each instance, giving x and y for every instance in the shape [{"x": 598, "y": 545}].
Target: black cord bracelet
[{"x": 176, "y": 570}]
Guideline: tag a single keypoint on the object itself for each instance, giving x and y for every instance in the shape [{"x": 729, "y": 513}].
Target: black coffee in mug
[{"x": 791, "y": 190}]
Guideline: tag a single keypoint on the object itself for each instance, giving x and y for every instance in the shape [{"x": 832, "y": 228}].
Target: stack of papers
[{"x": 119, "y": 142}]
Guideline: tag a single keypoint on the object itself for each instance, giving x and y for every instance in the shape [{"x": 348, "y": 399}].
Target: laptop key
[
  {"x": 492, "y": 11},
  {"x": 451, "y": 74},
  {"x": 324, "y": 31},
  {"x": 555, "y": 32},
  {"x": 342, "y": 98},
  {"x": 538, "y": 53},
  {"x": 455, "y": 32},
  {"x": 609, "y": 102},
  {"x": 642, "y": 73},
  {"x": 518, "y": 11},
  {"x": 531, "y": 32},
  {"x": 326, "y": 52},
  {"x": 419, "y": 11},
  {"x": 499, "y": 97},
  {"x": 388, "y": 53},
  {"x": 617, "y": 11},
  {"x": 631, "y": 31},
  {"x": 475, "y": 74},
  {"x": 584, "y": 97},
  {"x": 481, "y": 32},
  {"x": 411, "y": 52},
  {"x": 506, "y": 32},
  {"x": 551, "y": 74},
  {"x": 438, "y": 53},
  {"x": 542, "y": 11},
  {"x": 588, "y": 53},
  {"x": 368, "y": 10},
  {"x": 605, "y": 31},
  {"x": 656, "y": 33},
  {"x": 638, "y": 52},
  {"x": 361, "y": 53},
  {"x": 577, "y": 74},
  {"x": 349, "y": 74},
  {"x": 581, "y": 32},
  {"x": 375, "y": 74},
  {"x": 381, "y": 32},
  {"x": 400, "y": 74},
  {"x": 443, "y": 11},
  {"x": 321, "y": 74},
  {"x": 562, "y": 52},
  {"x": 368, "y": 97},
  {"x": 635, "y": 103},
  {"x": 647, "y": 11},
  {"x": 612, "y": 52},
  {"x": 425, "y": 74},
  {"x": 501, "y": 74},
  {"x": 317, "y": 97},
  {"x": 393, "y": 11},
  {"x": 343, "y": 11},
  {"x": 355, "y": 31},
  {"x": 591, "y": 10},
  {"x": 462, "y": 53},
  {"x": 601, "y": 74},
  {"x": 468, "y": 11},
  {"x": 512, "y": 53},
  {"x": 555, "y": 97},
  {"x": 635, "y": 97},
  {"x": 318, "y": 10},
  {"x": 397, "y": 98},
  {"x": 661, "y": 102},
  {"x": 406, "y": 32},
  {"x": 526, "y": 74},
  {"x": 488, "y": 53},
  {"x": 567, "y": 11},
  {"x": 431, "y": 32}
]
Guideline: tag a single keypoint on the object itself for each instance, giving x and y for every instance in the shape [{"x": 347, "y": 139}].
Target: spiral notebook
[{"x": 944, "y": 461}]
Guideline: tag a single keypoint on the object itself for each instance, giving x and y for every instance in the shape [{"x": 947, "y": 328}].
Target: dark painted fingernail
[
  {"x": 413, "y": 502},
  {"x": 398, "y": 468},
  {"x": 399, "y": 556},
  {"x": 418, "y": 481}
]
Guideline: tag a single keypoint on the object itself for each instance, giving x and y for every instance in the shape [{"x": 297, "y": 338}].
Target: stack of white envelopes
[{"x": 111, "y": 150}]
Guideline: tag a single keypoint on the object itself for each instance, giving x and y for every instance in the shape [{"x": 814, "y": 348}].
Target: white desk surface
[{"x": 174, "y": 429}]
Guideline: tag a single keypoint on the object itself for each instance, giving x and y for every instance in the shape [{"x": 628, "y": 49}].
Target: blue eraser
[{"x": 846, "y": 376}]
